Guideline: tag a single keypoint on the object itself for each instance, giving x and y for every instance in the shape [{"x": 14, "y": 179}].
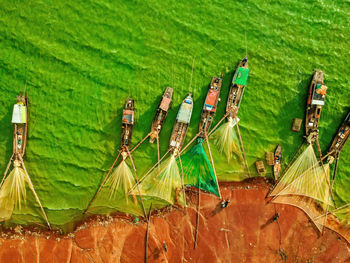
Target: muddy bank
[{"x": 243, "y": 232}]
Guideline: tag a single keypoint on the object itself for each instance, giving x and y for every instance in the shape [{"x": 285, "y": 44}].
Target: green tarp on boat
[{"x": 242, "y": 76}]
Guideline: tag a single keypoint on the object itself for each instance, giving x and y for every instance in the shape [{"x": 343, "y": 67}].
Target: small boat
[
  {"x": 20, "y": 121},
  {"x": 209, "y": 107},
  {"x": 128, "y": 122},
  {"x": 239, "y": 81},
  {"x": 296, "y": 124},
  {"x": 161, "y": 114},
  {"x": 270, "y": 157},
  {"x": 315, "y": 102},
  {"x": 260, "y": 167},
  {"x": 277, "y": 162},
  {"x": 340, "y": 139},
  {"x": 182, "y": 122}
]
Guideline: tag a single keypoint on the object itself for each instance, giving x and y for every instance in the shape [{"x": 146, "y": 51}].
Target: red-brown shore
[{"x": 243, "y": 232}]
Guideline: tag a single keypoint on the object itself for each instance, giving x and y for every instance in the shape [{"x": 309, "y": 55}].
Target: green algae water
[{"x": 79, "y": 60}]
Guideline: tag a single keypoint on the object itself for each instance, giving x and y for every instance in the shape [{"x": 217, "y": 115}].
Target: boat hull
[
  {"x": 340, "y": 138},
  {"x": 20, "y": 122},
  {"x": 182, "y": 122},
  {"x": 315, "y": 103},
  {"x": 161, "y": 114},
  {"x": 209, "y": 107},
  {"x": 277, "y": 162},
  {"x": 127, "y": 123},
  {"x": 237, "y": 89}
]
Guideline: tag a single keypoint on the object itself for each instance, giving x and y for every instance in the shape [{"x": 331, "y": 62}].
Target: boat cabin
[
  {"x": 185, "y": 111},
  {"x": 212, "y": 98}
]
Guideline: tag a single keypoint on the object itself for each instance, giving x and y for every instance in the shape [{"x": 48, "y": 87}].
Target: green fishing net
[{"x": 198, "y": 171}]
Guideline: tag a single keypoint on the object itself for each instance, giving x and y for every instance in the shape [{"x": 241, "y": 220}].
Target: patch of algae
[{"x": 79, "y": 60}]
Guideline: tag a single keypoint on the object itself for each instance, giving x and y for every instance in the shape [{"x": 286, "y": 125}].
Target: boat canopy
[
  {"x": 164, "y": 105},
  {"x": 128, "y": 116},
  {"x": 211, "y": 100},
  {"x": 242, "y": 76},
  {"x": 319, "y": 95},
  {"x": 19, "y": 114},
  {"x": 185, "y": 112}
]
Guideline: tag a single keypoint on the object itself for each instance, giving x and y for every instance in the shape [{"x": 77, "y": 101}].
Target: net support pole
[
  {"x": 216, "y": 125},
  {"x": 147, "y": 233},
  {"x": 188, "y": 144},
  {"x": 158, "y": 155},
  {"x": 102, "y": 184},
  {"x": 212, "y": 163},
  {"x": 150, "y": 170},
  {"x": 240, "y": 139},
  {"x": 7, "y": 169},
  {"x": 182, "y": 181},
  {"x": 324, "y": 170},
  {"x": 137, "y": 182},
  {"x": 33, "y": 190},
  {"x": 291, "y": 161},
  {"x": 197, "y": 218},
  {"x": 137, "y": 145}
]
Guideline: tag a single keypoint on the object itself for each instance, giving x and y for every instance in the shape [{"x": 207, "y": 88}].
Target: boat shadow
[{"x": 7, "y": 136}]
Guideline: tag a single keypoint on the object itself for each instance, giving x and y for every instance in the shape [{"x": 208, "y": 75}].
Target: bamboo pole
[
  {"x": 324, "y": 170},
  {"x": 33, "y": 190},
  {"x": 290, "y": 162},
  {"x": 212, "y": 163},
  {"x": 216, "y": 125},
  {"x": 197, "y": 219},
  {"x": 183, "y": 183},
  {"x": 150, "y": 170},
  {"x": 102, "y": 184},
  {"x": 7, "y": 169},
  {"x": 240, "y": 138},
  {"x": 158, "y": 154},
  {"x": 188, "y": 144},
  {"x": 137, "y": 145},
  {"x": 147, "y": 233},
  {"x": 137, "y": 181}
]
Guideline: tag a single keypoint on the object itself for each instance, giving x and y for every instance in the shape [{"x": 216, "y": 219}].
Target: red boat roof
[{"x": 212, "y": 99}]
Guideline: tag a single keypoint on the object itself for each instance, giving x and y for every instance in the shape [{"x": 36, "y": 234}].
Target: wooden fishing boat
[
  {"x": 128, "y": 122},
  {"x": 315, "y": 102},
  {"x": 339, "y": 139},
  {"x": 239, "y": 81},
  {"x": 161, "y": 114},
  {"x": 182, "y": 122},
  {"x": 260, "y": 167},
  {"x": 209, "y": 107},
  {"x": 277, "y": 162},
  {"x": 20, "y": 121}
]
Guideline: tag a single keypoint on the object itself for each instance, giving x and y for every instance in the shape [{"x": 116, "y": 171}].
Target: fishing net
[
  {"x": 337, "y": 220},
  {"x": 164, "y": 183},
  {"x": 305, "y": 185},
  {"x": 117, "y": 189},
  {"x": 121, "y": 177},
  {"x": 305, "y": 177},
  {"x": 198, "y": 171},
  {"x": 227, "y": 141},
  {"x": 12, "y": 192}
]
